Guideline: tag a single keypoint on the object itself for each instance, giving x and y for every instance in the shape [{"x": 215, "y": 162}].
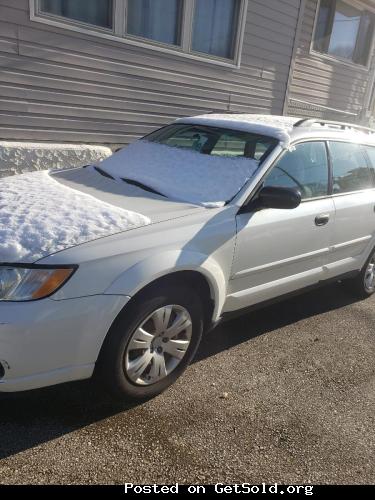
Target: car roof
[{"x": 286, "y": 129}]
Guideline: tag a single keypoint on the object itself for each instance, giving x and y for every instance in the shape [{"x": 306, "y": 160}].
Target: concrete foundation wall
[{"x": 19, "y": 157}]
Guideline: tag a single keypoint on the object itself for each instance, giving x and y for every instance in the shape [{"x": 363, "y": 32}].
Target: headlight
[{"x": 19, "y": 283}]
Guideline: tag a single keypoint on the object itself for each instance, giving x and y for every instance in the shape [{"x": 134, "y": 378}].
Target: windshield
[
  {"x": 195, "y": 163},
  {"x": 214, "y": 141}
]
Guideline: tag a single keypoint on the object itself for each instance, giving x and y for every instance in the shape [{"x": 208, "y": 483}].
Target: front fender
[{"x": 150, "y": 269}]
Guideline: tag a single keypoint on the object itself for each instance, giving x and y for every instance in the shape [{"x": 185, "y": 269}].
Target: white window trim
[
  {"x": 342, "y": 60},
  {"x": 116, "y": 33}
]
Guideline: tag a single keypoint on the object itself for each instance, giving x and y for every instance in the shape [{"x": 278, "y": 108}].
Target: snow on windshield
[
  {"x": 40, "y": 216},
  {"x": 182, "y": 174}
]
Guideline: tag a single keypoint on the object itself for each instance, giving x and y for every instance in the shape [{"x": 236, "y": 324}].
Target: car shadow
[
  {"x": 273, "y": 317},
  {"x": 32, "y": 418}
]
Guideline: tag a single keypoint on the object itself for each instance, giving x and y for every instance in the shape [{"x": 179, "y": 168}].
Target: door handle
[{"x": 322, "y": 220}]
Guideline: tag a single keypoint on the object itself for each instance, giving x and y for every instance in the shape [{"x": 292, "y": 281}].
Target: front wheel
[{"x": 151, "y": 343}]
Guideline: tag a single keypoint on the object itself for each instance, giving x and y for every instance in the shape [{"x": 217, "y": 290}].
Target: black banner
[{"x": 221, "y": 490}]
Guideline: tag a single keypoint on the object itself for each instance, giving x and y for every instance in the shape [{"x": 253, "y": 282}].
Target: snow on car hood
[
  {"x": 40, "y": 216},
  {"x": 182, "y": 174}
]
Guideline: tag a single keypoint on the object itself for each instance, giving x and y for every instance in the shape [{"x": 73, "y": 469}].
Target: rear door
[{"x": 353, "y": 193}]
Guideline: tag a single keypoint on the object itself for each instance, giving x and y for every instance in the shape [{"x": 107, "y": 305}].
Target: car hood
[{"x": 43, "y": 213}]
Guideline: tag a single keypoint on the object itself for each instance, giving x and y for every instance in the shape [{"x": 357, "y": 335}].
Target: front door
[{"x": 279, "y": 251}]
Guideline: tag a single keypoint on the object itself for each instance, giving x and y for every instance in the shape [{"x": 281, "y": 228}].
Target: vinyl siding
[
  {"x": 59, "y": 85},
  {"x": 325, "y": 82}
]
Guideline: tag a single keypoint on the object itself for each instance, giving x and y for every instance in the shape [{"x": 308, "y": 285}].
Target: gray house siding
[
  {"x": 63, "y": 86},
  {"x": 325, "y": 83}
]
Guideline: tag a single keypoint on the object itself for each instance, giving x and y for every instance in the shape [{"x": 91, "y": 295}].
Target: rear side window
[
  {"x": 350, "y": 169},
  {"x": 304, "y": 168}
]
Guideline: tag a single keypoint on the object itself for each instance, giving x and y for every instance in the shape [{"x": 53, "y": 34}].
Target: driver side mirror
[{"x": 278, "y": 197}]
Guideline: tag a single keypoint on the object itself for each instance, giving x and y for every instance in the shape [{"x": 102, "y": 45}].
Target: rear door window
[{"x": 349, "y": 168}]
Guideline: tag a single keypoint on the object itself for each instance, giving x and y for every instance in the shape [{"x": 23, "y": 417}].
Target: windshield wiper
[
  {"x": 103, "y": 173},
  {"x": 143, "y": 186},
  {"x": 130, "y": 181}
]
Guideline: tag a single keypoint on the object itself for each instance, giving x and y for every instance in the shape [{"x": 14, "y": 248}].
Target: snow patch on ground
[
  {"x": 182, "y": 174},
  {"x": 273, "y": 126},
  {"x": 40, "y": 216},
  {"x": 21, "y": 157}
]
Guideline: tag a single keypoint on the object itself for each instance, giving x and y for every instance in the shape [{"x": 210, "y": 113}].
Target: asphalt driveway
[{"x": 286, "y": 394}]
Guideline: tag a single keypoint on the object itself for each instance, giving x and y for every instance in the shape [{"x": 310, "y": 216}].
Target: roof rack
[{"x": 307, "y": 122}]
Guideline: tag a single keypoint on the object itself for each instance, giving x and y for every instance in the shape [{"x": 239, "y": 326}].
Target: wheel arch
[{"x": 181, "y": 267}]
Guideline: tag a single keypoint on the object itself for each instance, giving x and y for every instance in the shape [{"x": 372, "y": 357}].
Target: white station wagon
[{"x": 117, "y": 269}]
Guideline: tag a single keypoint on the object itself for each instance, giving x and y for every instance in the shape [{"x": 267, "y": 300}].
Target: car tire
[
  {"x": 363, "y": 285},
  {"x": 128, "y": 346}
]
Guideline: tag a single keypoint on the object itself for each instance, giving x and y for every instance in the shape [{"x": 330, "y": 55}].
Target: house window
[
  {"x": 344, "y": 31},
  {"x": 95, "y": 12},
  {"x": 195, "y": 28},
  {"x": 214, "y": 27},
  {"x": 158, "y": 20}
]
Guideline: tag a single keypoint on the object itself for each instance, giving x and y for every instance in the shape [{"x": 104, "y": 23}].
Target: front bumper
[{"x": 49, "y": 342}]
